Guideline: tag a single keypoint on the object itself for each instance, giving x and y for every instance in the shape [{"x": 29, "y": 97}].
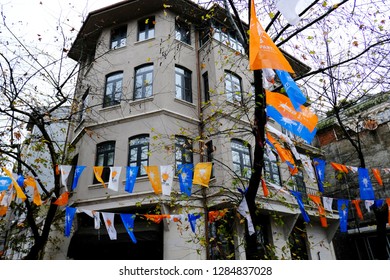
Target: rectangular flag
[
  {"x": 109, "y": 222},
  {"x": 295, "y": 94},
  {"x": 65, "y": 171},
  {"x": 77, "y": 173},
  {"x": 339, "y": 167},
  {"x": 356, "y": 203},
  {"x": 377, "y": 175},
  {"x": 284, "y": 154},
  {"x": 319, "y": 166},
  {"x": 115, "y": 173},
  {"x": 244, "y": 211},
  {"x": 321, "y": 211},
  {"x": 192, "y": 218},
  {"x": 128, "y": 222},
  {"x": 328, "y": 202},
  {"x": 5, "y": 182},
  {"x": 298, "y": 197},
  {"x": 366, "y": 190},
  {"x": 202, "y": 174},
  {"x": 69, "y": 216},
  {"x": 185, "y": 174},
  {"x": 342, "y": 206},
  {"x": 154, "y": 178},
  {"x": 98, "y": 171},
  {"x": 131, "y": 177},
  {"x": 290, "y": 9},
  {"x": 263, "y": 53},
  {"x": 167, "y": 173}
]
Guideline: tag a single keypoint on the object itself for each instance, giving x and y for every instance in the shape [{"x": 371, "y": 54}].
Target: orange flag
[
  {"x": 156, "y": 218},
  {"x": 317, "y": 200},
  {"x": 388, "y": 205},
  {"x": 19, "y": 192},
  {"x": 357, "y": 207},
  {"x": 264, "y": 186},
  {"x": 3, "y": 210},
  {"x": 339, "y": 167},
  {"x": 377, "y": 175},
  {"x": 30, "y": 182},
  {"x": 98, "y": 170},
  {"x": 285, "y": 155},
  {"x": 202, "y": 174},
  {"x": 263, "y": 53},
  {"x": 283, "y": 104},
  {"x": 63, "y": 199},
  {"x": 216, "y": 215},
  {"x": 154, "y": 178}
]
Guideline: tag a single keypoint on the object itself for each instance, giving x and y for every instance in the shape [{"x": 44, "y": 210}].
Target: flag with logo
[
  {"x": 339, "y": 167},
  {"x": 98, "y": 171},
  {"x": 356, "y": 203},
  {"x": 366, "y": 190},
  {"x": 30, "y": 182},
  {"x": 77, "y": 173},
  {"x": 263, "y": 53},
  {"x": 5, "y": 183},
  {"x": 321, "y": 211},
  {"x": 192, "y": 218},
  {"x": 295, "y": 94},
  {"x": 202, "y": 174},
  {"x": 95, "y": 215},
  {"x": 244, "y": 211},
  {"x": 185, "y": 174},
  {"x": 154, "y": 178},
  {"x": 342, "y": 206},
  {"x": 377, "y": 175},
  {"x": 328, "y": 202},
  {"x": 19, "y": 192},
  {"x": 128, "y": 222},
  {"x": 131, "y": 177},
  {"x": 109, "y": 222},
  {"x": 167, "y": 172},
  {"x": 115, "y": 173},
  {"x": 64, "y": 172},
  {"x": 298, "y": 197},
  {"x": 319, "y": 166},
  {"x": 69, "y": 216},
  {"x": 62, "y": 200},
  {"x": 284, "y": 154},
  {"x": 308, "y": 166}
]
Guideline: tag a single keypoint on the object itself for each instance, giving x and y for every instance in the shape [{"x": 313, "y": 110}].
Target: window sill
[
  {"x": 144, "y": 41},
  {"x": 184, "y": 44},
  {"x": 112, "y": 107},
  {"x": 185, "y": 102},
  {"x": 141, "y": 100}
]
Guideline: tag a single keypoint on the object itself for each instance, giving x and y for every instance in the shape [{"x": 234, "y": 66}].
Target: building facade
[{"x": 167, "y": 84}]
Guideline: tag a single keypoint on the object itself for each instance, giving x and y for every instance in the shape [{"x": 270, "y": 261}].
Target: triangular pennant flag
[
  {"x": 298, "y": 197},
  {"x": 131, "y": 177},
  {"x": 377, "y": 175},
  {"x": 342, "y": 206},
  {"x": 95, "y": 215},
  {"x": 308, "y": 166},
  {"x": 327, "y": 202},
  {"x": 115, "y": 173},
  {"x": 202, "y": 174},
  {"x": 263, "y": 53},
  {"x": 339, "y": 167},
  {"x": 353, "y": 169},
  {"x": 192, "y": 218},
  {"x": 264, "y": 187},
  {"x": 177, "y": 217},
  {"x": 368, "y": 203},
  {"x": 109, "y": 222},
  {"x": 297, "y": 98},
  {"x": 321, "y": 211},
  {"x": 154, "y": 178},
  {"x": 167, "y": 172},
  {"x": 128, "y": 222},
  {"x": 19, "y": 192},
  {"x": 244, "y": 211},
  {"x": 62, "y": 200},
  {"x": 77, "y": 173},
  {"x": 98, "y": 171},
  {"x": 30, "y": 182},
  {"x": 156, "y": 218},
  {"x": 185, "y": 174},
  {"x": 5, "y": 183},
  {"x": 319, "y": 166},
  {"x": 65, "y": 171},
  {"x": 69, "y": 216},
  {"x": 366, "y": 190},
  {"x": 359, "y": 213}
]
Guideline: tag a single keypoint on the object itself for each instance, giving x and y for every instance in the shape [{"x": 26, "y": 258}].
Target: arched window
[
  {"x": 143, "y": 81},
  {"x": 113, "y": 91},
  {"x": 105, "y": 154},
  {"x": 183, "y": 83},
  {"x": 139, "y": 152},
  {"x": 233, "y": 88}
]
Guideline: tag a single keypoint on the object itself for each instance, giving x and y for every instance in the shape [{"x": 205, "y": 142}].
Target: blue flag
[
  {"x": 192, "y": 219},
  {"x": 291, "y": 125},
  {"x": 69, "y": 216},
  {"x": 319, "y": 165},
  {"x": 20, "y": 180},
  {"x": 298, "y": 197},
  {"x": 5, "y": 182},
  {"x": 77, "y": 173},
  {"x": 296, "y": 96},
  {"x": 366, "y": 190},
  {"x": 128, "y": 222},
  {"x": 131, "y": 176},
  {"x": 185, "y": 174},
  {"x": 342, "y": 206}
]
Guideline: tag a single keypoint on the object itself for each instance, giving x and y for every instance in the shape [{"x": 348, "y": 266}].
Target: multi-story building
[{"x": 167, "y": 83}]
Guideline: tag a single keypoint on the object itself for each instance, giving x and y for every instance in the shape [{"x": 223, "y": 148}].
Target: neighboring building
[
  {"x": 368, "y": 122},
  {"x": 165, "y": 84}
]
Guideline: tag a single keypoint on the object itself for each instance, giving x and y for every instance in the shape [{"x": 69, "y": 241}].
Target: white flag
[
  {"x": 109, "y": 222},
  {"x": 166, "y": 173},
  {"x": 244, "y": 211},
  {"x": 307, "y": 164},
  {"x": 65, "y": 171},
  {"x": 368, "y": 204},
  {"x": 8, "y": 197},
  {"x": 115, "y": 173},
  {"x": 93, "y": 214},
  {"x": 291, "y": 9},
  {"x": 327, "y": 201}
]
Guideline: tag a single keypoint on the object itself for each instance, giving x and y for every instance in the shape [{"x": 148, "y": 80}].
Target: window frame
[
  {"x": 245, "y": 149},
  {"x": 83, "y": 105},
  {"x": 114, "y": 84},
  {"x": 146, "y": 29},
  {"x": 183, "y": 91},
  {"x": 139, "y": 151},
  {"x": 143, "y": 71},
  {"x": 109, "y": 148},
  {"x": 206, "y": 86},
  {"x": 119, "y": 37},
  {"x": 185, "y": 148},
  {"x": 269, "y": 168},
  {"x": 183, "y": 32},
  {"x": 231, "y": 94}
]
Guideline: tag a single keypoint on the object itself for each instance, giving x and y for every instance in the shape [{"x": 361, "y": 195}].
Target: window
[
  {"x": 241, "y": 158},
  {"x": 229, "y": 38},
  {"x": 105, "y": 157},
  {"x": 83, "y": 104},
  {"x": 112, "y": 95},
  {"x": 143, "y": 82},
  {"x": 146, "y": 28},
  {"x": 183, "y": 151},
  {"x": 271, "y": 169},
  {"x": 118, "y": 37},
  {"x": 221, "y": 238},
  {"x": 206, "y": 87},
  {"x": 209, "y": 154},
  {"x": 139, "y": 153},
  {"x": 183, "y": 84},
  {"x": 300, "y": 183},
  {"x": 183, "y": 32},
  {"x": 233, "y": 87}
]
